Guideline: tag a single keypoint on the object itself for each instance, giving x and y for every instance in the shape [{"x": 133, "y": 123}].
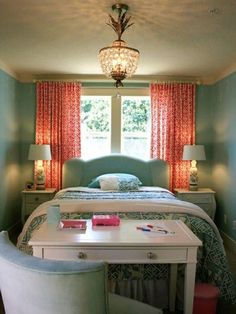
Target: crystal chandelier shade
[{"x": 119, "y": 61}]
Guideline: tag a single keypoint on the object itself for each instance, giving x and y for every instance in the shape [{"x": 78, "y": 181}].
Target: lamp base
[
  {"x": 40, "y": 177},
  {"x": 193, "y": 187},
  {"x": 40, "y": 187},
  {"x": 193, "y": 180}
]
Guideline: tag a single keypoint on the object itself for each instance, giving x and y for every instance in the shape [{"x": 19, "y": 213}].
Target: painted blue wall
[
  {"x": 27, "y": 103},
  {"x": 9, "y": 151},
  {"x": 204, "y": 131},
  {"x": 216, "y": 129},
  {"x": 223, "y": 97}
]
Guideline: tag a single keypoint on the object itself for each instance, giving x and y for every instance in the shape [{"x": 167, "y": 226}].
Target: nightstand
[
  {"x": 204, "y": 198},
  {"x": 33, "y": 198}
]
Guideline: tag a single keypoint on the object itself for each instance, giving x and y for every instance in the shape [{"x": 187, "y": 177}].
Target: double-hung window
[{"x": 113, "y": 123}]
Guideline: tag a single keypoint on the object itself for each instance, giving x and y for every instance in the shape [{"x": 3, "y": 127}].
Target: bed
[{"x": 149, "y": 200}]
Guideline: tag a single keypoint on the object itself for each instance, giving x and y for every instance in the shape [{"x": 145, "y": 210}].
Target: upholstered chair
[{"x": 31, "y": 285}]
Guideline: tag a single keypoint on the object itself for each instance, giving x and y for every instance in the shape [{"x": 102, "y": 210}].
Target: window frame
[{"x": 116, "y": 95}]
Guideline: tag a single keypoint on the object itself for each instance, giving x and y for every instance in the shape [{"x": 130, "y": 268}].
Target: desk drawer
[{"x": 119, "y": 255}]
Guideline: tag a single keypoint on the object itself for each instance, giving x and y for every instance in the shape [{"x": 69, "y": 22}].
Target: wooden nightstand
[
  {"x": 204, "y": 198},
  {"x": 33, "y": 198}
]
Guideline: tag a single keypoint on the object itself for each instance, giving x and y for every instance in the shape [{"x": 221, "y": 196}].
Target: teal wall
[
  {"x": 17, "y": 124},
  {"x": 223, "y": 97},
  {"x": 9, "y": 151},
  {"x": 216, "y": 129},
  {"x": 204, "y": 131},
  {"x": 27, "y": 101}
]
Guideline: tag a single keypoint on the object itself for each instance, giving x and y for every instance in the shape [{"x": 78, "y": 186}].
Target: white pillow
[
  {"x": 109, "y": 183},
  {"x": 112, "y": 182}
]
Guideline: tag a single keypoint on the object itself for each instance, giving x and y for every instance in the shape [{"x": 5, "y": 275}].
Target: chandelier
[{"x": 119, "y": 61}]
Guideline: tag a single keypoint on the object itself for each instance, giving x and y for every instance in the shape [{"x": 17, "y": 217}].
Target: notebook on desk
[{"x": 73, "y": 224}]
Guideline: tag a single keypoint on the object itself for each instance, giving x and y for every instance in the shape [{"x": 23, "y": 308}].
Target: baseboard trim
[{"x": 228, "y": 242}]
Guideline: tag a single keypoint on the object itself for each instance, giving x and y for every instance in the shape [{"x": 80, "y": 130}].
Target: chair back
[{"x": 30, "y": 285}]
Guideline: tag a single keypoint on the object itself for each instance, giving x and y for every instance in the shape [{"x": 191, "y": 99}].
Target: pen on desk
[
  {"x": 158, "y": 227},
  {"x": 157, "y": 231},
  {"x": 154, "y": 229},
  {"x": 143, "y": 229}
]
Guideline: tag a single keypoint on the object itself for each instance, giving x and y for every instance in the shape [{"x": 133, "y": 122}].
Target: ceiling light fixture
[{"x": 118, "y": 60}]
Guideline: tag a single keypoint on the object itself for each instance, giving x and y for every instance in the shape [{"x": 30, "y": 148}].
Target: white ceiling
[{"x": 185, "y": 39}]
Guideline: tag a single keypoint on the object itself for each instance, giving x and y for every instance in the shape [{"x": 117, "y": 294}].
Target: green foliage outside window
[
  {"x": 96, "y": 116},
  {"x": 135, "y": 115}
]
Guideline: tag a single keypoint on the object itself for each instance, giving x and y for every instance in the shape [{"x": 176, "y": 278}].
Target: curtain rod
[
  {"x": 135, "y": 79},
  {"x": 176, "y": 82},
  {"x": 132, "y": 82}
]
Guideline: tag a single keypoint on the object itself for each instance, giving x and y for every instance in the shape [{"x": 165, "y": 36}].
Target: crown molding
[
  {"x": 228, "y": 71},
  {"x": 8, "y": 70},
  {"x": 102, "y": 78},
  {"x": 29, "y": 78}
]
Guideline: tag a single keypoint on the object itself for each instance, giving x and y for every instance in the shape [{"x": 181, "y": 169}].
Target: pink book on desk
[
  {"x": 105, "y": 220},
  {"x": 73, "y": 223}
]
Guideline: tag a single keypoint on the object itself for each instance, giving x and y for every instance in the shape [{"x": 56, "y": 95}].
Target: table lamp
[
  {"x": 193, "y": 153},
  {"x": 39, "y": 153}
]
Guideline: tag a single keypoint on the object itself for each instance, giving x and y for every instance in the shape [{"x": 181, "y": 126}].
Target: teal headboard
[{"x": 78, "y": 172}]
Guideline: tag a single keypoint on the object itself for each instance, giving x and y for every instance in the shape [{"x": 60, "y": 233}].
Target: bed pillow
[
  {"x": 108, "y": 183},
  {"x": 118, "y": 184},
  {"x": 121, "y": 181}
]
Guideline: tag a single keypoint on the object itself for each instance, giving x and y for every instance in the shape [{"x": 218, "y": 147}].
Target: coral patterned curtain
[
  {"x": 173, "y": 126},
  {"x": 58, "y": 124}
]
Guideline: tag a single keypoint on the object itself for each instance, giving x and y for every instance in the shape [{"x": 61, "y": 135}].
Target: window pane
[
  {"x": 95, "y": 126},
  {"x": 135, "y": 138}
]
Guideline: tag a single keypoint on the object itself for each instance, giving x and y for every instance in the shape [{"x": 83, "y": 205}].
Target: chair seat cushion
[{"x": 119, "y": 304}]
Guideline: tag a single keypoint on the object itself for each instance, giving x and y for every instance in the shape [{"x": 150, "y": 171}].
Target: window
[
  {"x": 115, "y": 124},
  {"x": 135, "y": 136},
  {"x": 95, "y": 126}
]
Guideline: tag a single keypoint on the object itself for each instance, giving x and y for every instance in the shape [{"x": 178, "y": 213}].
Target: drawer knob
[
  {"x": 36, "y": 199},
  {"x": 150, "y": 255},
  {"x": 82, "y": 255}
]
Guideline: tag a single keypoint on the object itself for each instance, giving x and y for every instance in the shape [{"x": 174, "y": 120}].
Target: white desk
[{"x": 125, "y": 244}]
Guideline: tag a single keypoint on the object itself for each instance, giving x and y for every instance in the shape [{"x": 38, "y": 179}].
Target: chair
[{"x": 30, "y": 285}]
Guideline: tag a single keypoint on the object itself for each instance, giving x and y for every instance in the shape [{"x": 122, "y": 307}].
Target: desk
[{"x": 125, "y": 244}]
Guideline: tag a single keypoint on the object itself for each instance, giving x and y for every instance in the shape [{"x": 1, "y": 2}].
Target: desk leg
[
  {"x": 172, "y": 286},
  {"x": 189, "y": 285},
  {"x": 38, "y": 252}
]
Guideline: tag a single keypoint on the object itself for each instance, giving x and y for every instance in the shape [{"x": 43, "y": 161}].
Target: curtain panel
[
  {"x": 58, "y": 124},
  {"x": 173, "y": 126}
]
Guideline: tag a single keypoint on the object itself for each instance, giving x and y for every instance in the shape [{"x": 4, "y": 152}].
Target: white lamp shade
[
  {"x": 39, "y": 152},
  {"x": 194, "y": 152}
]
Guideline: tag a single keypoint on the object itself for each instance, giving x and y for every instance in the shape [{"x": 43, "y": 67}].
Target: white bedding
[{"x": 121, "y": 205}]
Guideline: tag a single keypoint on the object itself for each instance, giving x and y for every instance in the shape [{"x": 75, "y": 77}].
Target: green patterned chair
[{"x": 30, "y": 285}]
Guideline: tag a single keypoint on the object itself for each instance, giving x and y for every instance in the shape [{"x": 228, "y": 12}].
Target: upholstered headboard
[{"x": 78, "y": 172}]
